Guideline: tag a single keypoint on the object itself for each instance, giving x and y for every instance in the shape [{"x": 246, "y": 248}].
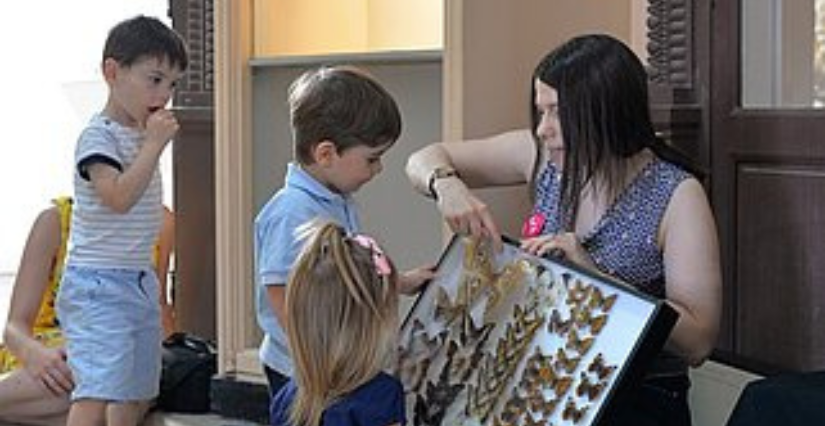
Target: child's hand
[
  {"x": 412, "y": 281},
  {"x": 161, "y": 126}
]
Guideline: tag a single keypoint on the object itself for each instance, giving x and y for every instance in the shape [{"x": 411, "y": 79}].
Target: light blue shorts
[{"x": 111, "y": 320}]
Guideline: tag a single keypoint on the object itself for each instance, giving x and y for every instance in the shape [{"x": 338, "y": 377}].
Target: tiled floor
[{"x": 171, "y": 419}]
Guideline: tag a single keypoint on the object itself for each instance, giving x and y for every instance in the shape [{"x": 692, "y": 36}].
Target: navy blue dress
[{"x": 379, "y": 402}]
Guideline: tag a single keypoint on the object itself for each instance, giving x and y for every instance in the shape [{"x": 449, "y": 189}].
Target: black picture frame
[{"x": 514, "y": 339}]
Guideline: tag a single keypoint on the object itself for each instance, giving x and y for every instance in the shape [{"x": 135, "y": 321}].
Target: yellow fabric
[{"x": 46, "y": 326}]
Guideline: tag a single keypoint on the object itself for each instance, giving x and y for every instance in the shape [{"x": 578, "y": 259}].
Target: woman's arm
[
  {"x": 692, "y": 272},
  {"x": 47, "y": 365},
  {"x": 166, "y": 245},
  {"x": 501, "y": 160}
]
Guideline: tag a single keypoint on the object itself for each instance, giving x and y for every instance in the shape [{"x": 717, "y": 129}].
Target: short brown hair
[{"x": 343, "y": 105}]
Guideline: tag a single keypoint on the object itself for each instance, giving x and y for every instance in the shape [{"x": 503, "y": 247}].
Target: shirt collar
[{"x": 298, "y": 177}]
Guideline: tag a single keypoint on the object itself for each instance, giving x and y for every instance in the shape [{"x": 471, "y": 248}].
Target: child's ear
[
  {"x": 110, "y": 68},
  {"x": 324, "y": 152}
]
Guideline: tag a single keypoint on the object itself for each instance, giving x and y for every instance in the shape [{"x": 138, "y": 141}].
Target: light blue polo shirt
[{"x": 300, "y": 200}]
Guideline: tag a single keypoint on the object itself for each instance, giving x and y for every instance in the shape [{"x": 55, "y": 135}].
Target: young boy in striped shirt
[{"x": 107, "y": 301}]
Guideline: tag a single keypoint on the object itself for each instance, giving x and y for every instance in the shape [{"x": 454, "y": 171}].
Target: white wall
[{"x": 50, "y": 84}]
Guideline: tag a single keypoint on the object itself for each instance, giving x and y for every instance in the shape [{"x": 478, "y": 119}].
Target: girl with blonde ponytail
[{"x": 342, "y": 316}]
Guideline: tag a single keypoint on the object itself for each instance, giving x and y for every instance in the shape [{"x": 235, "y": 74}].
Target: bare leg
[
  {"x": 87, "y": 412},
  {"x": 26, "y": 401},
  {"x": 126, "y": 413}
]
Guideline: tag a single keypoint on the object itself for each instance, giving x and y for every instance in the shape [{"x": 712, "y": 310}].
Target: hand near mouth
[{"x": 161, "y": 126}]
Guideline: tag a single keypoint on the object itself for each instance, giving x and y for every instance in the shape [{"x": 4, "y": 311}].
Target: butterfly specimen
[
  {"x": 414, "y": 359},
  {"x": 583, "y": 318},
  {"x": 513, "y": 275},
  {"x": 481, "y": 396},
  {"x": 513, "y": 409},
  {"x": 465, "y": 355},
  {"x": 592, "y": 389},
  {"x": 469, "y": 334},
  {"x": 538, "y": 370},
  {"x": 572, "y": 412},
  {"x": 431, "y": 408},
  {"x": 557, "y": 324},
  {"x": 538, "y": 405},
  {"x": 530, "y": 421},
  {"x": 497, "y": 370},
  {"x": 599, "y": 301},
  {"x": 580, "y": 345},
  {"x": 599, "y": 367},
  {"x": 445, "y": 310},
  {"x": 577, "y": 292},
  {"x": 566, "y": 363},
  {"x": 478, "y": 271}
]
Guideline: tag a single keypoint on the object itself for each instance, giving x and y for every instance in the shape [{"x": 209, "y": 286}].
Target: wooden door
[{"x": 768, "y": 192}]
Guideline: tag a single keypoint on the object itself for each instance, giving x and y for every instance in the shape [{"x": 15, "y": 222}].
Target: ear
[
  {"x": 324, "y": 152},
  {"x": 110, "y": 68}
]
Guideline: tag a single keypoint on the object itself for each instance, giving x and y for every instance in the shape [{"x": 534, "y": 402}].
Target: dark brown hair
[{"x": 343, "y": 105}]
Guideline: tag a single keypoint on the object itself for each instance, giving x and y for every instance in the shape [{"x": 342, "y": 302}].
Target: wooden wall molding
[
  {"x": 670, "y": 43},
  {"x": 194, "y": 19}
]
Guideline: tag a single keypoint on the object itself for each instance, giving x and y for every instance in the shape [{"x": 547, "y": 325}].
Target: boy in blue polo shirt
[{"x": 343, "y": 121}]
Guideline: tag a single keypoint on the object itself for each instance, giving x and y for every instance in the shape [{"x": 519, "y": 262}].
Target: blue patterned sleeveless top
[{"x": 623, "y": 243}]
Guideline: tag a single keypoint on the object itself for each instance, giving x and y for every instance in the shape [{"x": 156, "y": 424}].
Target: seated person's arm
[
  {"x": 47, "y": 365},
  {"x": 166, "y": 245}
]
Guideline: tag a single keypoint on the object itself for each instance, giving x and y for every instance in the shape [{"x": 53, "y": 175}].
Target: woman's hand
[
  {"x": 48, "y": 367},
  {"x": 465, "y": 213},
  {"x": 565, "y": 245}
]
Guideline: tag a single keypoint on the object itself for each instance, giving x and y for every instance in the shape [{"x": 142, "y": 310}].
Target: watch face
[{"x": 444, "y": 172}]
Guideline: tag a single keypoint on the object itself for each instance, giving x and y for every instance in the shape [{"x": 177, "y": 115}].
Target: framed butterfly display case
[{"x": 516, "y": 340}]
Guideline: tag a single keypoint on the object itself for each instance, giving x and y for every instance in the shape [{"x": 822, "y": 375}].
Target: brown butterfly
[
  {"x": 599, "y": 367},
  {"x": 557, "y": 324},
  {"x": 597, "y": 323},
  {"x": 530, "y": 421},
  {"x": 580, "y": 345},
  {"x": 561, "y": 385},
  {"x": 539, "y": 405},
  {"x": 419, "y": 345},
  {"x": 446, "y": 310},
  {"x": 566, "y": 363},
  {"x": 599, "y": 301},
  {"x": 590, "y": 388},
  {"x": 540, "y": 367},
  {"x": 513, "y": 409},
  {"x": 577, "y": 292},
  {"x": 470, "y": 334},
  {"x": 572, "y": 412}
]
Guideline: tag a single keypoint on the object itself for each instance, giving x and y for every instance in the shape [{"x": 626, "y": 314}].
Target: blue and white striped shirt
[{"x": 100, "y": 237}]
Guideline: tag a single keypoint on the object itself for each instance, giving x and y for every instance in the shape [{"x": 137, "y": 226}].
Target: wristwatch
[{"x": 440, "y": 172}]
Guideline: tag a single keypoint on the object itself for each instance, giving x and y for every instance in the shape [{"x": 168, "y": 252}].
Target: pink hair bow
[{"x": 382, "y": 264}]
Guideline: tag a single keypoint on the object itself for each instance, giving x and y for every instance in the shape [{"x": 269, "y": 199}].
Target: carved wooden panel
[
  {"x": 677, "y": 55},
  {"x": 670, "y": 43},
  {"x": 194, "y": 19}
]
